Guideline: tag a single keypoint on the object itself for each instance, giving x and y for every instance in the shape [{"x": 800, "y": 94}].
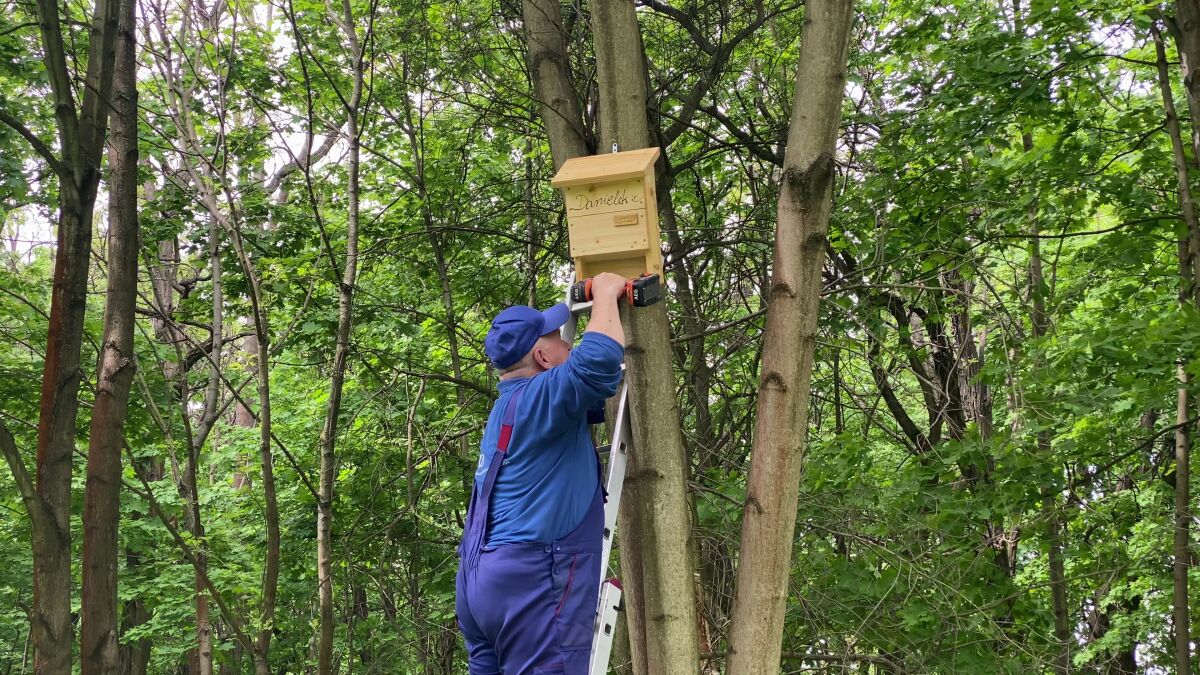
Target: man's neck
[{"x": 527, "y": 371}]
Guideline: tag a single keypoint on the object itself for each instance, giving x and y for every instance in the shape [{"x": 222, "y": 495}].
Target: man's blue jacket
[{"x": 550, "y": 473}]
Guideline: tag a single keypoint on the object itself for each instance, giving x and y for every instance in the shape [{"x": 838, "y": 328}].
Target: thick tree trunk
[
  {"x": 1187, "y": 35},
  {"x": 81, "y": 140},
  {"x": 52, "y": 630},
  {"x": 102, "y": 495},
  {"x": 1187, "y": 40},
  {"x": 1187, "y": 207},
  {"x": 805, "y": 198},
  {"x": 558, "y": 102},
  {"x": 714, "y": 587},
  {"x": 341, "y": 352},
  {"x": 662, "y": 586}
]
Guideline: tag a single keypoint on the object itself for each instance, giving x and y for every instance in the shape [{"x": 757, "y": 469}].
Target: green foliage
[{"x": 923, "y": 528}]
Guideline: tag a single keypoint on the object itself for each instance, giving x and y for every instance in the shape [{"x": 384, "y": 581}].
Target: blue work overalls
[{"x": 527, "y": 607}]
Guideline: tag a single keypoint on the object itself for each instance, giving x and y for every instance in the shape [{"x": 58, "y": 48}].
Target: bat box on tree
[{"x": 612, "y": 213}]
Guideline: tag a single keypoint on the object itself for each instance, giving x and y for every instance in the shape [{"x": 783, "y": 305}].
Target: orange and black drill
[{"x": 642, "y": 291}]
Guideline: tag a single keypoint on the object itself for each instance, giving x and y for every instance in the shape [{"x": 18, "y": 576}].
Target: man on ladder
[{"x": 529, "y": 572}]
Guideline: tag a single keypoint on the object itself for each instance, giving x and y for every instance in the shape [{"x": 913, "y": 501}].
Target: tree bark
[
  {"x": 1186, "y": 29},
  {"x": 1187, "y": 40},
  {"x": 1182, "y": 544},
  {"x": 711, "y": 553},
  {"x": 270, "y": 583},
  {"x": 1181, "y": 550},
  {"x": 134, "y": 654},
  {"x": 341, "y": 352},
  {"x": 663, "y": 634},
  {"x": 102, "y": 493},
  {"x": 805, "y": 198},
  {"x": 81, "y": 133},
  {"x": 553, "y": 86}
]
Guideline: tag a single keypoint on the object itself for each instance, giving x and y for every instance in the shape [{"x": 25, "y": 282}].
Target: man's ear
[{"x": 539, "y": 357}]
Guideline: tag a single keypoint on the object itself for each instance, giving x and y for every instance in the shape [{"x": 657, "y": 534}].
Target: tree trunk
[
  {"x": 1054, "y": 525},
  {"x": 270, "y": 583},
  {"x": 341, "y": 352},
  {"x": 662, "y": 586},
  {"x": 1182, "y": 544},
  {"x": 81, "y": 132},
  {"x": 1187, "y": 41},
  {"x": 52, "y": 629},
  {"x": 102, "y": 495},
  {"x": 261, "y": 366},
  {"x": 558, "y": 102},
  {"x": 1187, "y": 207},
  {"x": 710, "y": 554},
  {"x": 212, "y": 403},
  {"x": 134, "y": 654},
  {"x": 531, "y": 223},
  {"x": 1040, "y": 323},
  {"x": 806, "y": 194},
  {"x": 200, "y": 659}
]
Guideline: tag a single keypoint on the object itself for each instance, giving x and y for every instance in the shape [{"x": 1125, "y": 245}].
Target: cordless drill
[{"x": 642, "y": 291}]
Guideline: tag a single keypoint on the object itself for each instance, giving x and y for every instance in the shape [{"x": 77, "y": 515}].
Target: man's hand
[
  {"x": 606, "y": 288},
  {"x": 608, "y": 285}
]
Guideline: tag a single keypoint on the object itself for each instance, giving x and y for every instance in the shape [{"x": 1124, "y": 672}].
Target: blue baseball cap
[{"x": 516, "y": 329}]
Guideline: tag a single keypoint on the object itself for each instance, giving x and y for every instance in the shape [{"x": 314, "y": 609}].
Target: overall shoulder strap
[{"x": 507, "y": 420}]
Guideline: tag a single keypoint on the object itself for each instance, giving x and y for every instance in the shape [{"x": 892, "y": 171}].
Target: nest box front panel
[{"x": 607, "y": 218}]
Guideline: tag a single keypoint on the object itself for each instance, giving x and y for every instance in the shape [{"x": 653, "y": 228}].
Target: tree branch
[
  {"x": 39, "y": 146},
  {"x": 304, "y": 161},
  {"x": 757, "y": 148},
  {"x": 685, "y": 22},
  {"x": 33, "y": 502},
  {"x": 914, "y": 434}
]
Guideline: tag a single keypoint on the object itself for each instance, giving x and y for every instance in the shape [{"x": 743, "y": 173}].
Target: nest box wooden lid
[{"x": 605, "y": 168}]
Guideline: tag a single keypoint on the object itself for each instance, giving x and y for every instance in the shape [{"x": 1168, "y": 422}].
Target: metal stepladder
[{"x": 621, "y": 443}]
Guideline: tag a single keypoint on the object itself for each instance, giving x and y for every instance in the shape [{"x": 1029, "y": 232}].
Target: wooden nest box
[{"x": 612, "y": 213}]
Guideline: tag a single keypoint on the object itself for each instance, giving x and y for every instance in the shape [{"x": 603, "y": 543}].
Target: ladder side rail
[
  {"x": 606, "y": 626},
  {"x": 618, "y": 459}
]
